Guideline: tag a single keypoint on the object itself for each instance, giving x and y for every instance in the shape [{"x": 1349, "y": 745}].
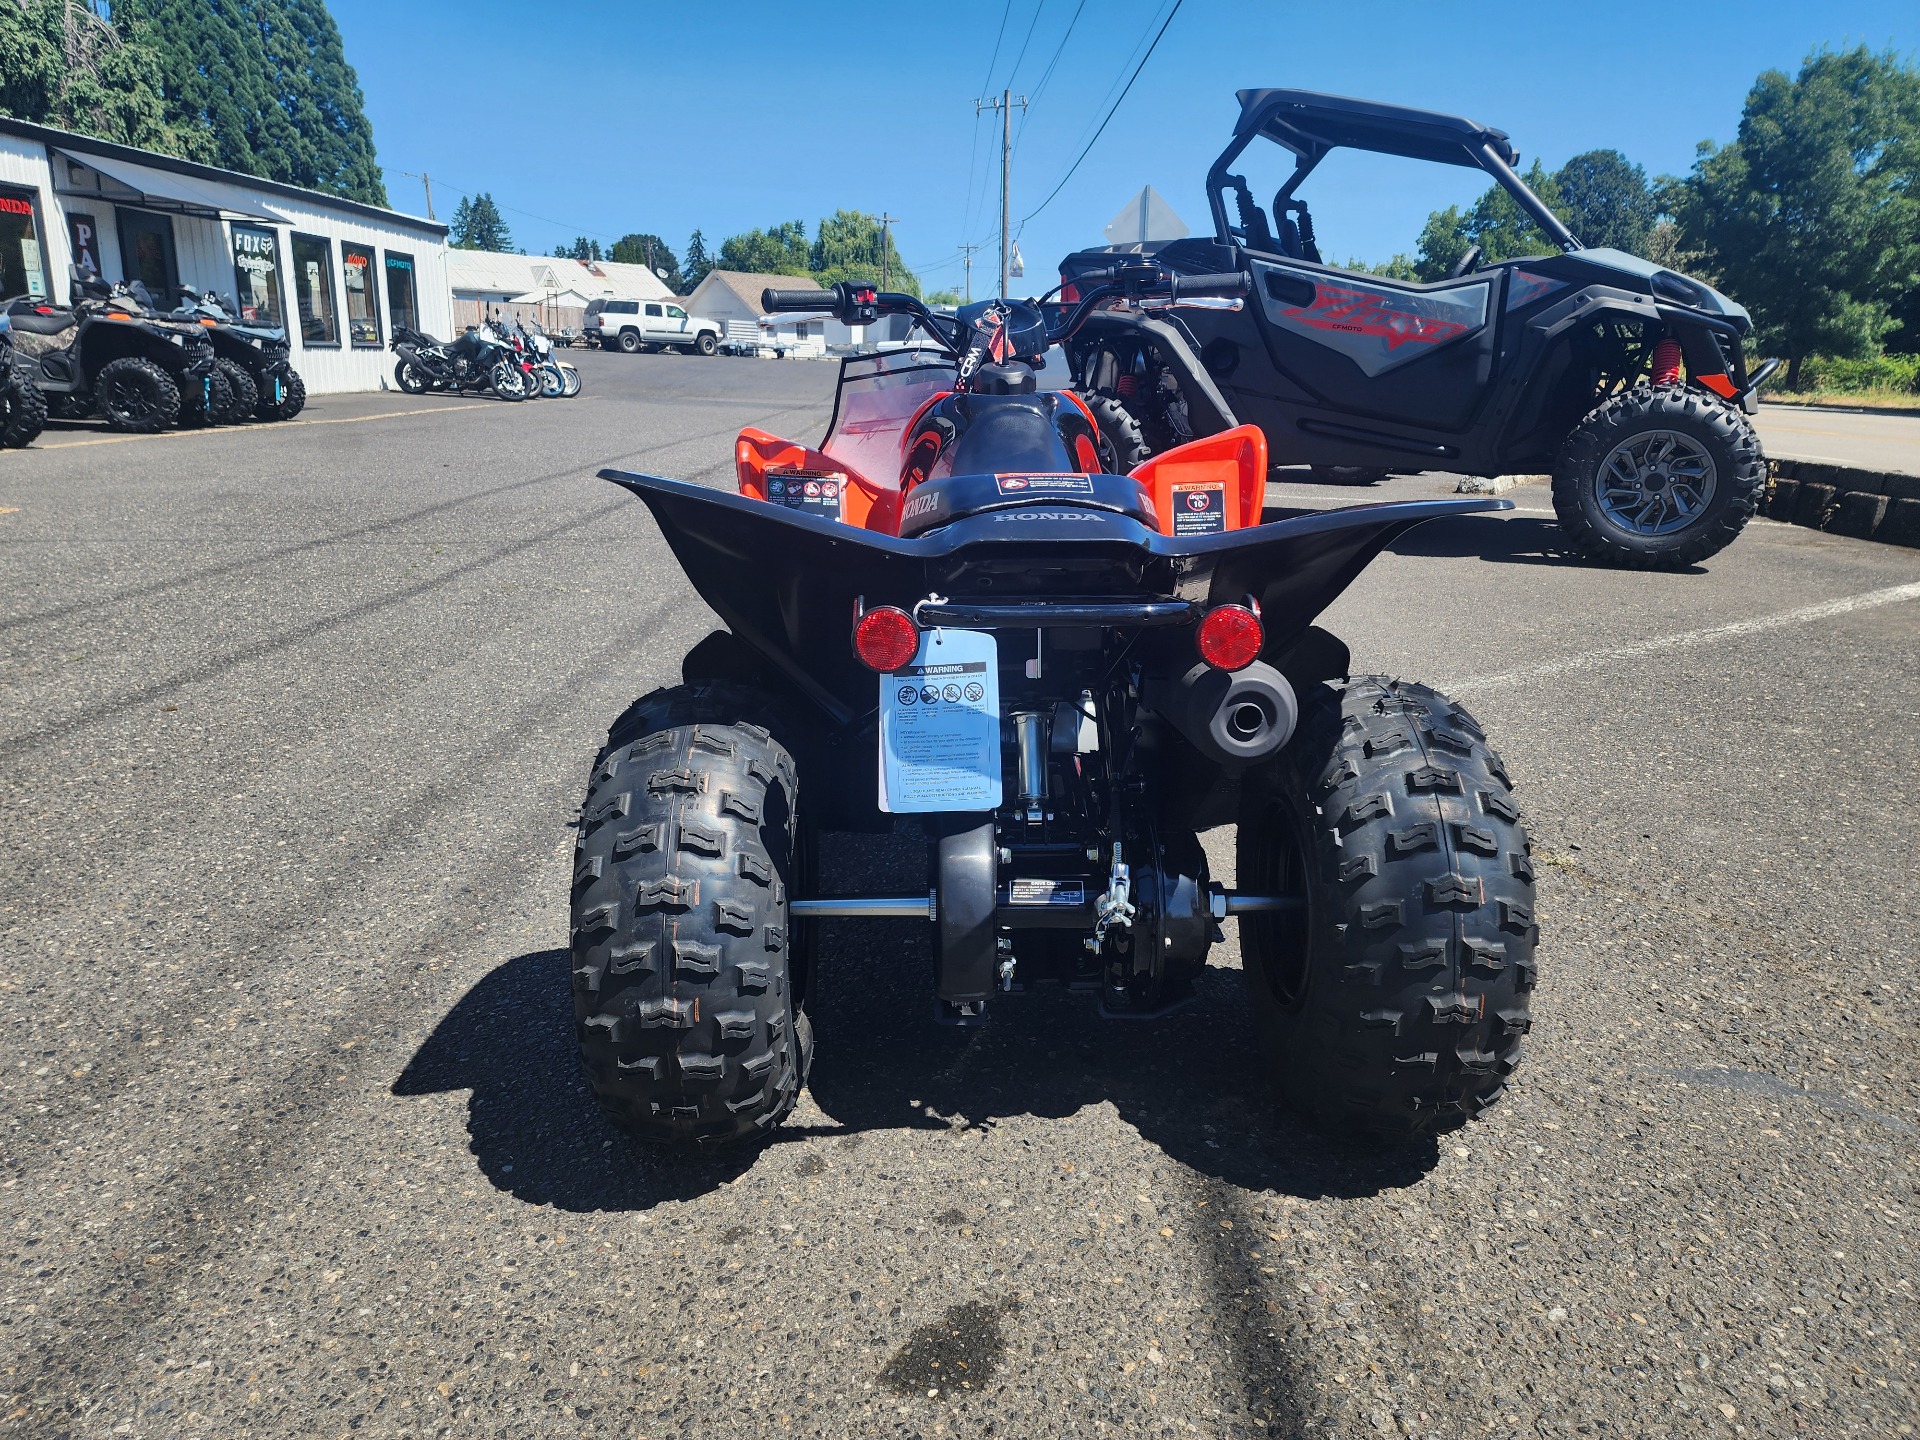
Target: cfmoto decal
[{"x": 1376, "y": 326}]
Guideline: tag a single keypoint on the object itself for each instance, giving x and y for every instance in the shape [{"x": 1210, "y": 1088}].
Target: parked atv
[
  {"x": 109, "y": 355},
  {"x": 23, "y": 409},
  {"x": 955, "y": 613},
  {"x": 255, "y": 359},
  {"x": 1625, "y": 380}
]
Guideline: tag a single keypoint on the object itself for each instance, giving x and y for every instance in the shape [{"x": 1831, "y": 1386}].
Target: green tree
[
  {"x": 62, "y": 63},
  {"x": 697, "y": 265},
  {"x": 477, "y": 225},
  {"x": 781, "y": 250},
  {"x": 847, "y": 246},
  {"x": 651, "y": 251},
  {"x": 1812, "y": 214},
  {"x": 267, "y": 83},
  {"x": 1495, "y": 223},
  {"x": 582, "y": 248},
  {"x": 1606, "y": 200}
]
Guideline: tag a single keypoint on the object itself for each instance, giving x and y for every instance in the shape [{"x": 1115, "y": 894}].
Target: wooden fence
[{"x": 554, "y": 318}]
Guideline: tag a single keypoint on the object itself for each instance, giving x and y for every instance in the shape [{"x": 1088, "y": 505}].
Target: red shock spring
[
  {"x": 1127, "y": 387},
  {"x": 1666, "y": 362}
]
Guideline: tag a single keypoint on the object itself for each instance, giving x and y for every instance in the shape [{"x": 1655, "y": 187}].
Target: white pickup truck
[{"x": 635, "y": 325}]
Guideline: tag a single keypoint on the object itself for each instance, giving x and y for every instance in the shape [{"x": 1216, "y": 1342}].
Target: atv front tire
[
  {"x": 245, "y": 394},
  {"x": 293, "y": 398},
  {"x": 23, "y": 412},
  {"x": 1120, "y": 428},
  {"x": 1393, "y": 1004},
  {"x": 1348, "y": 474},
  {"x": 206, "y": 402},
  {"x": 688, "y": 1009},
  {"x": 136, "y": 396},
  {"x": 1658, "y": 478}
]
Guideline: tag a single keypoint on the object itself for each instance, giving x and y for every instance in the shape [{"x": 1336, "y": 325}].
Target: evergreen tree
[
  {"x": 1607, "y": 201},
  {"x": 477, "y": 225},
  {"x": 648, "y": 250},
  {"x": 1812, "y": 215},
  {"x": 698, "y": 263},
  {"x": 267, "y": 83},
  {"x": 62, "y": 63}
]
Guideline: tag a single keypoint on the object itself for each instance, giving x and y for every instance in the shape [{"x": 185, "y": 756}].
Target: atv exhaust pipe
[{"x": 1233, "y": 718}]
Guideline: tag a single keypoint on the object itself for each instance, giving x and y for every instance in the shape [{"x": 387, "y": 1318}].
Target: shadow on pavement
[{"x": 1191, "y": 1083}]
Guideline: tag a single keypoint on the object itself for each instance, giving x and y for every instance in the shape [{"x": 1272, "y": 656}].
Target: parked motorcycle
[
  {"x": 557, "y": 378},
  {"x": 956, "y": 609},
  {"x": 478, "y": 360},
  {"x": 256, "y": 359},
  {"x": 23, "y": 409},
  {"x": 108, "y": 354}
]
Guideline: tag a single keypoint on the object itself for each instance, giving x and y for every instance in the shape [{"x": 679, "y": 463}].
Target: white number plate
[{"x": 940, "y": 727}]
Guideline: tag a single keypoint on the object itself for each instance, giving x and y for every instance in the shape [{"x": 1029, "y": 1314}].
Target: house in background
[
  {"x": 733, "y": 296},
  {"x": 541, "y": 287},
  {"x": 337, "y": 275}
]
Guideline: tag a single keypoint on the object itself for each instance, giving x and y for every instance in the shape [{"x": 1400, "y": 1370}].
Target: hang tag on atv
[
  {"x": 1199, "y": 508},
  {"x": 940, "y": 727}
]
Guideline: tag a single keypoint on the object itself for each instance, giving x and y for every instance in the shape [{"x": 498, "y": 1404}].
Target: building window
[
  {"x": 401, "y": 306},
  {"x": 313, "y": 289},
  {"x": 363, "y": 304},
  {"x": 256, "y": 277},
  {"x": 22, "y": 270},
  {"x": 146, "y": 254}
]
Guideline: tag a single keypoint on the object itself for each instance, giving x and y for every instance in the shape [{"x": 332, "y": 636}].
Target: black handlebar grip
[
  {"x": 1230, "y": 284},
  {"x": 822, "y": 300}
]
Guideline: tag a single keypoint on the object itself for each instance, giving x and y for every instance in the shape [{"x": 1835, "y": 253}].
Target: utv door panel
[{"x": 1409, "y": 354}]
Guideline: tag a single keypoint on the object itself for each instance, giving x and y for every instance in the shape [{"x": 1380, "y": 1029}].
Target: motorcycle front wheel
[
  {"x": 509, "y": 382},
  {"x": 570, "y": 377},
  {"x": 552, "y": 383}
]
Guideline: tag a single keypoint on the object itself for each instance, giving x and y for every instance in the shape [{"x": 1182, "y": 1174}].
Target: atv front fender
[{"x": 1207, "y": 409}]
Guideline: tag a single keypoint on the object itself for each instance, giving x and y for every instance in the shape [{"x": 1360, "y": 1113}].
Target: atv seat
[{"x": 31, "y": 319}]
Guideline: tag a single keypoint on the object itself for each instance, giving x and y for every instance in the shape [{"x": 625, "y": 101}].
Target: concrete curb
[{"x": 1864, "y": 504}]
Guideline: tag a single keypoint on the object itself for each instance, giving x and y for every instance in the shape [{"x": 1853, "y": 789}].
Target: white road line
[{"x": 1602, "y": 659}]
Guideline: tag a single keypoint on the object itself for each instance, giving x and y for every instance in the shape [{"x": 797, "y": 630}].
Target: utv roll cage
[{"x": 1311, "y": 125}]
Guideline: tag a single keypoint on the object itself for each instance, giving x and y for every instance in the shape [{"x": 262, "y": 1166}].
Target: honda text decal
[{"x": 1375, "y": 327}]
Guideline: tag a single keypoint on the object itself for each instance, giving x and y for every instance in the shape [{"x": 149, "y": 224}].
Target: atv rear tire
[
  {"x": 23, "y": 412},
  {"x": 687, "y": 998},
  {"x": 1394, "y": 1003},
  {"x": 245, "y": 394},
  {"x": 136, "y": 396},
  {"x": 1120, "y": 428},
  {"x": 1600, "y": 486},
  {"x": 1348, "y": 474}
]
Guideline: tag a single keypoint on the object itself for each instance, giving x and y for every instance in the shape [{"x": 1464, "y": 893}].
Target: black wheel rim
[{"x": 129, "y": 395}]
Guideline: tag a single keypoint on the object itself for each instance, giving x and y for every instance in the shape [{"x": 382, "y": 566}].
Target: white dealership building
[{"x": 337, "y": 275}]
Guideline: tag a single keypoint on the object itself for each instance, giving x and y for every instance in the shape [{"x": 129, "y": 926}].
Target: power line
[
  {"x": 1109, "y": 115},
  {"x": 987, "y": 83},
  {"x": 1047, "y": 74},
  {"x": 1014, "y": 73}
]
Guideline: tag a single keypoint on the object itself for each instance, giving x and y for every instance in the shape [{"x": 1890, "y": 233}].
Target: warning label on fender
[
  {"x": 1069, "y": 484},
  {"x": 811, "y": 492},
  {"x": 1199, "y": 509}
]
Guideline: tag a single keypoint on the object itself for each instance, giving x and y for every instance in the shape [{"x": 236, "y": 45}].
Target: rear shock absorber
[{"x": 1666, "y": 362}]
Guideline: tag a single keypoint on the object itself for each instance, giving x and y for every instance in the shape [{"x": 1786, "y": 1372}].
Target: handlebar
[
  {"x": 824, "y": 301},
  {"x": 1229, "y": 285}
]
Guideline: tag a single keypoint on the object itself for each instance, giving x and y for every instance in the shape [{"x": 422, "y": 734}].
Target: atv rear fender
[
  {"x": 1207, "y": 409},
  {"x": 787, "y": 584}
]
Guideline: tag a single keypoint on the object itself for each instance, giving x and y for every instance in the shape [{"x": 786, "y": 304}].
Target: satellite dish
[{"x": 662, "y": 273}]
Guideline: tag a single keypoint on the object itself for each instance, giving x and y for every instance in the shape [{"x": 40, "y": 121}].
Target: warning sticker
[
  {"x": 1044, "y": 484},
  {"x": 940, "y": 727},
  {"x": 1199, "y": 509},
  {"x": 1030, "y": 891},
  {"x": 811, "y": 492}
]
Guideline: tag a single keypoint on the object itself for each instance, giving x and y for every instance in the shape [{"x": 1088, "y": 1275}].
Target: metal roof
[{"x": 1310, "y": 124}]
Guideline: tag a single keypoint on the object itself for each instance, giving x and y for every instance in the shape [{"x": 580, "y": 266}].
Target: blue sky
[{"x": 723, "y": 117}]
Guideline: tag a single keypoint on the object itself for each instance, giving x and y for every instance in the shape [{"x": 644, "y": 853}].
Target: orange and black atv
[
  {"x": 1626, "y": 381},
  {"x": 957, "y": 616}
]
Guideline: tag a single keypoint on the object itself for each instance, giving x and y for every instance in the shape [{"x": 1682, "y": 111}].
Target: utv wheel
[
  {"x": 706, "y": 344},
  {"x": 629, "y": 342},
  {"x": 1658, "y": 479},
  {"x": 245, "y": 394},
  {"x": 687, "y": 994},
  {"x": 1394, "y": 1002},
  {"x": 290, "y": 401},
  {"x": 1120, "y": 428},
  {"x": 1348, "y": 475},
  {"x": 206, "y": 402},
  {"x": 136, "y": 396},
  {"x": 408, "y": 377},
  {"x": 23, "y": 412}
]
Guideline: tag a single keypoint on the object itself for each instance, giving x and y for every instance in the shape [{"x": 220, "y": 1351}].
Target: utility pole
[
  {"x": 1004, "y": 104},
  {"x": 426, "y": 181},
  {"x": 967, "y": 263},
  {"x": 885, "y": 221}
]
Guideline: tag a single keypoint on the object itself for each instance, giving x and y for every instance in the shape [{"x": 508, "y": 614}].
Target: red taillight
[
  {"x": 1230, "y": 637},
  {"x": 1069, "y": 292},
  {"x": 886, "y": 639}
]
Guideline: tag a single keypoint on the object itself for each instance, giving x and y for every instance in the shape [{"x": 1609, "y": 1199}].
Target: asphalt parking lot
[{"x": 293, "y": 721}]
